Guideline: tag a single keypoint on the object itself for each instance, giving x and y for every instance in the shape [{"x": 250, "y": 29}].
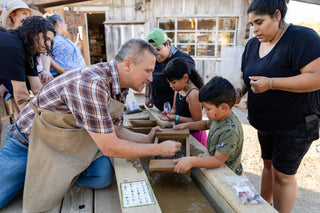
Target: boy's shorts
[{"x": 287, "y": 148}]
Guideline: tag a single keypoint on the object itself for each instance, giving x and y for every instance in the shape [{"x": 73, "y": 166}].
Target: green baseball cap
[{"x": 158, "y": 35}]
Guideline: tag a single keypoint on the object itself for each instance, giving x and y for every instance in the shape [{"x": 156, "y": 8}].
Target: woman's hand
[
  {"x": 167, "y": 116},
  {"x": 148, "y": 102},
  {"x": 181, "y": 126},
  {"x": 45, "y": 76},
  {"x": 259, "y": 84}
]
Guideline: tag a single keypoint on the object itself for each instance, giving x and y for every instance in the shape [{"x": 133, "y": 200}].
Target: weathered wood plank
[
  {"x": 15, "y": 206},
  {"x": 107, "y": 200},
  {"x": 173, "y": 133},
  {"x": 143, "y": 123},
  {"x": 130, "y": 170},
  {"x": 154, "y": 112},
  {"x": 78, "y": 199},
  {"x": 219, "y": 192}
]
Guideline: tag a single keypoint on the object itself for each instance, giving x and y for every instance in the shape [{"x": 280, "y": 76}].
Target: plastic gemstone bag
[{"x": 244, "y": 190}]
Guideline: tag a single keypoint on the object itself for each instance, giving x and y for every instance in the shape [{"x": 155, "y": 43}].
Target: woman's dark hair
[
  {"x": 177, "y": 67},
  {"x": 29, "y": 31},
  {"x": 53, "y": 19},
  {"x": 268, "y": 7},
  {"x": 218, "y": 91}
]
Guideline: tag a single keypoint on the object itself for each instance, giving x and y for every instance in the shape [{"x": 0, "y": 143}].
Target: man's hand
[
  {"x": 152, "y": 133},
  {"x": 45, "y": 76},
  {"x": 183, "y": 165},
  {"x": 169, "y": 148},
  {"x": 148, "y": 102}
]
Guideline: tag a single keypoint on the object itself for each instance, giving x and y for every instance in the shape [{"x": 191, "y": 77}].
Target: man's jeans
[{"x": 13, "y": 163}]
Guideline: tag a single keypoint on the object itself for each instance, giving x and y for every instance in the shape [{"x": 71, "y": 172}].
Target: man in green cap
[{"x": 159, "y": 91}]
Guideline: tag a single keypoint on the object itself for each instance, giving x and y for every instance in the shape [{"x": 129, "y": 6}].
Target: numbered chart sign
[{"x": 136, "y": 194}]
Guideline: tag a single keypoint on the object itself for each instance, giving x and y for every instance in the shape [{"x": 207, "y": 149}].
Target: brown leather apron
[{"x": 58, "y": 152}]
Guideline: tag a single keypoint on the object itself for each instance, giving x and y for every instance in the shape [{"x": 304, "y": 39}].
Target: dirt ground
[{"x": 308, "y": 175}]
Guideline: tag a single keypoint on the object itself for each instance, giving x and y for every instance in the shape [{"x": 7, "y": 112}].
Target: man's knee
[
  {"x": 98, "y": 175},
  {"x": 103, "y": 179}
]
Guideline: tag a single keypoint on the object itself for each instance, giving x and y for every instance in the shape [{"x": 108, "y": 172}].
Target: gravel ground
[{"x": 308, "y": 175}]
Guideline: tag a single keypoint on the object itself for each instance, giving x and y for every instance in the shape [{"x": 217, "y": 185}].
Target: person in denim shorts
[{"x": 281, "y": 72}]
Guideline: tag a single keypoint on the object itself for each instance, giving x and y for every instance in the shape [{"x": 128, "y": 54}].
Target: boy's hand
[
  {"x": 181, "y": 126},
  {"x": 183, "y": 165}
]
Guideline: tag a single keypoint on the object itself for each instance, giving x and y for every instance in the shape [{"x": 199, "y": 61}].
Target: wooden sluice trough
[
  {"x": 211, "y": 182},
  {"x": 166, "y": 165}
]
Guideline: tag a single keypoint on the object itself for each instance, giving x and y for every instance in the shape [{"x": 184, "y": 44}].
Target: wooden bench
[{"x": 79, "y": 199}]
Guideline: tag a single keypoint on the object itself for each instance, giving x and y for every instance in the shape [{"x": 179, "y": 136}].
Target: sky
[{"x": 302, "y": 12}]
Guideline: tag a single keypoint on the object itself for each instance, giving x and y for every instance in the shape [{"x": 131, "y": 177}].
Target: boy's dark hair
[
  {"x": 218, "y": 91},
  {"x": 268, "y": 7},
  {"x": 29, "y": 30},
  {"x": 177, "y": 67}
]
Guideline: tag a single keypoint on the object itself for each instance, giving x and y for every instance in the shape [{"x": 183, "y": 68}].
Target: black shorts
[{"x": 287, "y": 148}]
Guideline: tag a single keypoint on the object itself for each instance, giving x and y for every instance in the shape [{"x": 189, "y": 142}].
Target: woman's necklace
[
  {"x": 264, "y": 51},
  {"x": 180, "y": 96}
]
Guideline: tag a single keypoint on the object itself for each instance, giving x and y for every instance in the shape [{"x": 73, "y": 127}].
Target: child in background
[
  {"x": 186, "y": 83},
  {"x": 225, "y": 137}
]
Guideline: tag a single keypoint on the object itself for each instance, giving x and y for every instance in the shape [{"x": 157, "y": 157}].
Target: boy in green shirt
[{"x": 225, "y": 139}]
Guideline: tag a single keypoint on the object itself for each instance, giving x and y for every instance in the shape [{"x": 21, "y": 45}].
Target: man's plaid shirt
[{"x": 84, "y": 93}]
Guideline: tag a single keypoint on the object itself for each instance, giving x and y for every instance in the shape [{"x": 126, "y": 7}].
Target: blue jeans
[{"x": 13, "y": 163}]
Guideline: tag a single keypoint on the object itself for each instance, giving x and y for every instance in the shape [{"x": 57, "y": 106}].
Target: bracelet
[
  {"x": 177, "y": 119},
  {"x": 271, "y": 83},
  {"x": 240, "y": 92}
]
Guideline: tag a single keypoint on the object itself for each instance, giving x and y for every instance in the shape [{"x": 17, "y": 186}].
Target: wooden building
[{"x": 200, "y": 27}]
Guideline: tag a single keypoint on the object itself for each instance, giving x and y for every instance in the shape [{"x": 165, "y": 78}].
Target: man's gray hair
[{"x": 134, "y": 49}]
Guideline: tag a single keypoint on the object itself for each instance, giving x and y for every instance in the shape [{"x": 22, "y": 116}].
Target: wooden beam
[
  {"x": 51, "y": 3},
  {"x": 154, "y": 112}
]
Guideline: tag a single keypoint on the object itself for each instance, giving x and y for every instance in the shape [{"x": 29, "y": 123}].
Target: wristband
[
  {"x": 271, "y": 83},
  {"x": 177, "y": 119}
]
